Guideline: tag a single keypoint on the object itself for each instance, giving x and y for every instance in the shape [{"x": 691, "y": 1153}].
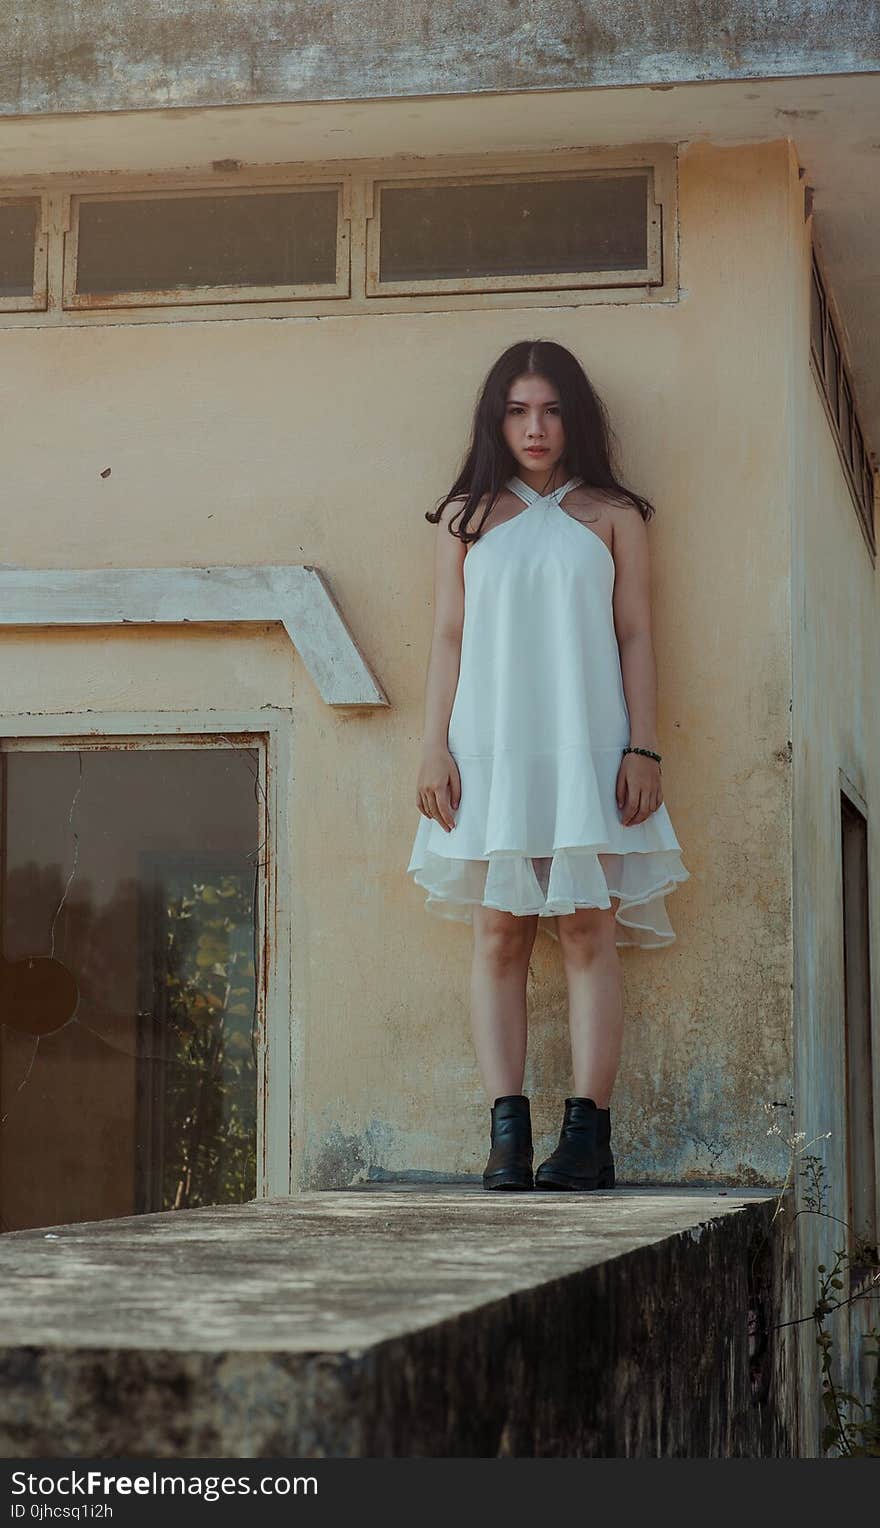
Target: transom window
[
  {"x": 169, "y": 248},
  {"x": 22, "y": 254},
  {"x": 316, "y": 238},
  {"x": 510, "y": 234}
]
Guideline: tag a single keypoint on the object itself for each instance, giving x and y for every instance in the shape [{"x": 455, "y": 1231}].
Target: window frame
[
  {"x": 859, "y": 1104},
  {"x": 267, "y": 731},
  {"x": 39, "y": 296},
  {"x": 817, "y": 290},
  {"x": 355, "y": 177},
  {"x": 650, "y": 275},
  {"x": 833, "y": 376},
  {"x": 74, "y": 301}
]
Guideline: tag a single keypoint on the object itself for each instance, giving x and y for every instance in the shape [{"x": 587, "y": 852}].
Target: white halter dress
[{"x": 537, "y": 729}]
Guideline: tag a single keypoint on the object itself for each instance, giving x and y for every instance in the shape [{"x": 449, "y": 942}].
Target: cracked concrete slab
[
  {"x": 397, "y": 1320},
  {"x": 339, "y": 1270}
]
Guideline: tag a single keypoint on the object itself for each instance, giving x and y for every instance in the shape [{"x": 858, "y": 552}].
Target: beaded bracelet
[{"x": 647, "y": 752}]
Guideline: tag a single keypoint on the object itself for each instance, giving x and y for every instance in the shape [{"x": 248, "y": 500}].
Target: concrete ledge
[
  {"x": 106, "y": 55},
  {"x": 400, "y": 1320},
  {"x": 299, "y": 597}
]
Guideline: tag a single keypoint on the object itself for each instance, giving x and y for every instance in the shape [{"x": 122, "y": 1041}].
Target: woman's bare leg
[
  {"x": 595, "y": 998},
  {"x": 499, "y": 975}
]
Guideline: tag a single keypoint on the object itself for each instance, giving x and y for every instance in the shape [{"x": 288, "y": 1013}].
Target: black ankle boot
[
  {"x": 583, "y": 1159},
  {"x": 511, "y": 1156}
]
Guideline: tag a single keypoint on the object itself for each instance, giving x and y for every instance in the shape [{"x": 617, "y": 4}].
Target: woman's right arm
[{"x": 439, "y": 784}]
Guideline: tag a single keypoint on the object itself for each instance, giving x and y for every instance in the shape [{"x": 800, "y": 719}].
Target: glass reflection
[{"x": 128, "y": 980}]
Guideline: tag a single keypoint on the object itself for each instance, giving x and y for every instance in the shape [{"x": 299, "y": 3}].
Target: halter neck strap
[{"x": 531, "y": 495}]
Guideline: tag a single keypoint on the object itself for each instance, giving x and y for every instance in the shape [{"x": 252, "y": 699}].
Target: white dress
[{"x": 537, "y": 729}]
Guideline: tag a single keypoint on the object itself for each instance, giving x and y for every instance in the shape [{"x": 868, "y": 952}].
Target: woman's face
[{"x": 532, "y": 425}]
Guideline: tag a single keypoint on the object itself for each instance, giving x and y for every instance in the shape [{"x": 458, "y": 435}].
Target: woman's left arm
[{"x": 639, "y": 784}]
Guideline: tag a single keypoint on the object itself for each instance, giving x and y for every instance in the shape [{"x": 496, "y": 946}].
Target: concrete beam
[
  {"x": 109, "y": 55},
  {"x": 630, "y": 1323},
  {"x": 299, "y": 597}
]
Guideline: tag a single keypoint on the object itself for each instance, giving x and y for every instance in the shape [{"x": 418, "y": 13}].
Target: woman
[{"x": 540, "y": 786}]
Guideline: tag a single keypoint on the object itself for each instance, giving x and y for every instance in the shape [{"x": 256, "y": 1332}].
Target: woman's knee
[
  {"x": 588, "y": 931},
  {"x": 503, "y": 938}
]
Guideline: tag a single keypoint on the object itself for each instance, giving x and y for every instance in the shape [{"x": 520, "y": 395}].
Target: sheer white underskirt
[{"x": 558, "y": 884}]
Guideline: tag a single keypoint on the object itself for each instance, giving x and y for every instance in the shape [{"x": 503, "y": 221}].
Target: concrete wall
[
  {"x": 836, "y": 725},
  {"x": 407, "y": 1323},
  {"x": 109, "y": 55},
  {"x": 324, "y": 442}
]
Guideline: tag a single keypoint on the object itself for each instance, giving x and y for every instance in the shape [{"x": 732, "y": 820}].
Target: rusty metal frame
[
  {"x": 355, "y": 179},
  {"x": 92, "y": 301},
  {"x": 650, "y": 275}
]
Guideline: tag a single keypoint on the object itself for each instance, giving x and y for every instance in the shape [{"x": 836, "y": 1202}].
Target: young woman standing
[{"x": 540, "y": 788}]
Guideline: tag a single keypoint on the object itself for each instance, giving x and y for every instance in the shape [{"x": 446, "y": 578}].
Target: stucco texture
[
  {"x": 324, "y": 441},
  {"x": 835, "y": 642},
  {"x": 106, "y": 55}
]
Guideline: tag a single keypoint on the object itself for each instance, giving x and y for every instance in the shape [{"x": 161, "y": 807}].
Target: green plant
[
  {"x": 210, "y": 1091},
  {"x": 850, "y": 1436}
]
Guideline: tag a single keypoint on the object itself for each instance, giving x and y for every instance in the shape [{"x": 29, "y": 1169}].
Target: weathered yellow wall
[
  {"x": 324, "y": 441},
  {"x": 835, "y": 642}
]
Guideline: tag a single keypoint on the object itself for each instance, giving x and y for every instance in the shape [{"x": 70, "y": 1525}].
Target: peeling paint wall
[
  {"x": 836, "y": 725},
  {"x": 324, "y": 441},
  {"x": 111, "y": 56}
]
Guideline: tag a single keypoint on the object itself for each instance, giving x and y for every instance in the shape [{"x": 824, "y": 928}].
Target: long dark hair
[{"x": 489, "y": 463}]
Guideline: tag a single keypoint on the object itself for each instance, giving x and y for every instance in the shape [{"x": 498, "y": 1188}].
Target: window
[
  {"x": 130, "y": 1046},
  {"x": 169, "y": 248},
  {"x": 862, "y": 1179},
  {"x": 817, "y": 320},
  {"x": 835, "y": 385},
  {"x": 586, "y": 226},
  {"x": 23, "y": 249},
  {"x": 509, "y": 233},
  {"x": 859, "y": 451},
  {"x": 832, "y": 374},
  {"x": 846, "y": 422}
]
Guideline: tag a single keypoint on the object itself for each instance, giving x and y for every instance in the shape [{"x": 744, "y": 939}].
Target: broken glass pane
[{"x": 129, "y": 895}]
